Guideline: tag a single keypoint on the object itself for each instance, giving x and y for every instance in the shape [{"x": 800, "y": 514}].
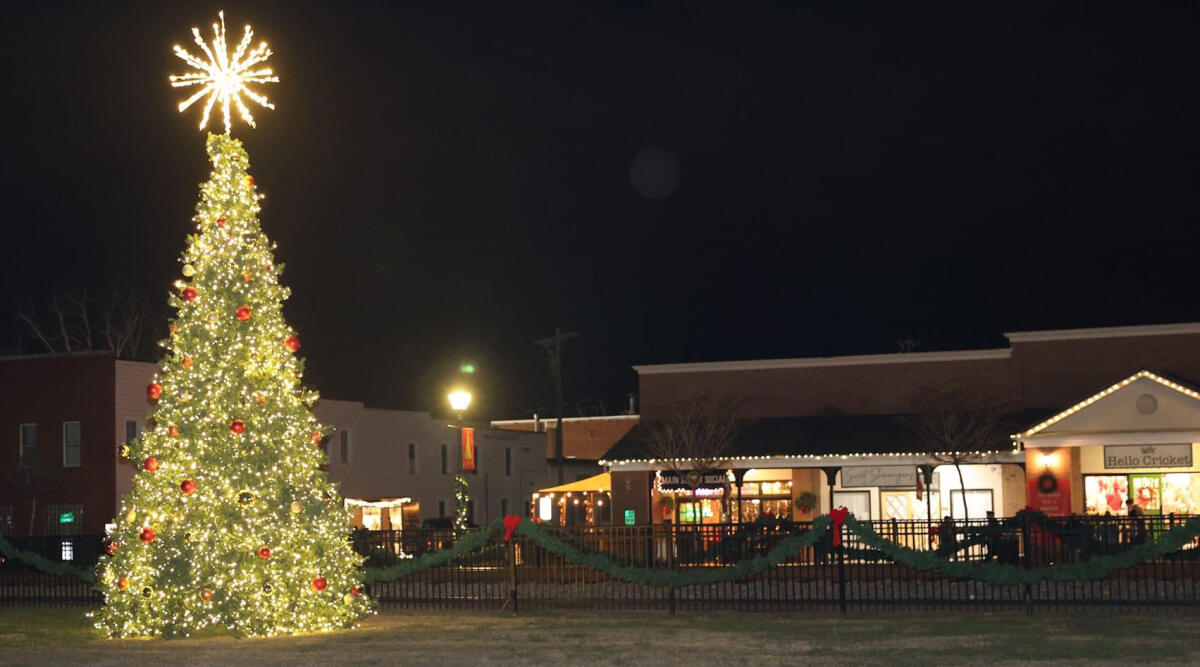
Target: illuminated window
[
  {"x": 979, "y": 503},
  {"x": 67, "y": 550},
  {"x": 71, "y": 444},
  {"x": 372, "y": 518},
  {"x": 858, "y": 502}
]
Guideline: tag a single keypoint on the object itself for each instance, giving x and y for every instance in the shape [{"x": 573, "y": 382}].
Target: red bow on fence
[
  {"x": 839, "y": 517},
  {"x": 510, "y": 524}
]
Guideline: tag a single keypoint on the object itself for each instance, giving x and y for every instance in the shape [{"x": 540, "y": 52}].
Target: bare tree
[
  {"x": 33, "y": 481},
  {"x": 694, "y": 438},
  {"x": 64, "y": 323},
  {"x": 958, "y": 426}
]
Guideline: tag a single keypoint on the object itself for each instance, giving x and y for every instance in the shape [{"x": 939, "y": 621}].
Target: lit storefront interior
[
  {"x": 585, "y": 502},
  {"x": 1135, "y": 439},
  {"x": 382, "y": 513}
]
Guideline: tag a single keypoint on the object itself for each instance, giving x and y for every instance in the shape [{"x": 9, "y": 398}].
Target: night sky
[{"x": 447, "y": 181}]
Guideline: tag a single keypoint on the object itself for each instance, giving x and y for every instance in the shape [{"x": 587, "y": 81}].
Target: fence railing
[{"x": 818, "y": 577}]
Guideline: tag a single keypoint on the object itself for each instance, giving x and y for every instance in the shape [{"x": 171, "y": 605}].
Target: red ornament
[
  {"x": 153, "y": 391},
  {"x": 318, "y": 584},
  {"x": 250, "y": 181},
  {"x": 292, "y": 343},
  {"x": 123, "y": 583},
  {"x": 188, "y": 486},
  {"x": 316, "y": 437},
  {"x": 189, "y": 294},
  {"x": 237, "y": 426},
  {"x": 148, "y": 535},
  {"x": 354, "y": 591},
  {"x": 111, "y": 548},
  {"x": 150, "y": 464},
  {"x": 264, "y": 553},
  {"x": 242, "y": 313},
  {"x": 220, "y": 222},
  {"x": 173, "y": 431}
]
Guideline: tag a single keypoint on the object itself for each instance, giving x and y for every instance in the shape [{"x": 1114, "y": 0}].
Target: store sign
[
  {"x": 630, "y": 517},
  {"x": 669, "y": 480},
  {"x": 1148, "y": 456},
  {"x": 1049, "y": 494},
  {"x": 66, "y": 517},
  {"x": 897, "y": 477}
]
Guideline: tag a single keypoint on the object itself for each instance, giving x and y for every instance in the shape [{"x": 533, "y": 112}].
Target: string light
[
  {"x": 223, "y": 77},
  {"x": 1186, "y": 391}
]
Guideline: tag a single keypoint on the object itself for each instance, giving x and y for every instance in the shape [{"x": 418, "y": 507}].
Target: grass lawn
[{"x": 62, "y": 636}]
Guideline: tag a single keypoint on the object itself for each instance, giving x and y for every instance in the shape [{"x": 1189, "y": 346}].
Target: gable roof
[{"x": 1140, "y": 375}]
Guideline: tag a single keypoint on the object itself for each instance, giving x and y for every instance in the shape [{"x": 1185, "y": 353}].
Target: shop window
[
  {"x": 858, "y": 502},
  {"x": 372, "y": 517},
  {"x": 71, "y": 444},
  {"x": 1105, "y": 494},
  {"x": 63, "y": 519},
  {"x": 1181, "y": 493},
  {"x": 979, "y": 503},
  {"x": 28, "y": 452},
  {"x": 412, "y": 458}
]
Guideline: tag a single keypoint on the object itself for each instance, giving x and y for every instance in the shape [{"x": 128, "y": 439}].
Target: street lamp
[{"x": 459, "y": 400}]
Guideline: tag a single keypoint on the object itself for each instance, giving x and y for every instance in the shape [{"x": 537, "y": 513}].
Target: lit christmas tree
[{"x": 230, "y": 522}]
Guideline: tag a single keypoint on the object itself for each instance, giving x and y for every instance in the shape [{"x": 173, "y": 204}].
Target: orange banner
[{"x": 468, "y": 448}]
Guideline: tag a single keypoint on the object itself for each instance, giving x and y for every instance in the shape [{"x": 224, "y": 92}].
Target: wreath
[
  {"x": 806, "y": 501},
  {"x": 1047, "y": 483}
]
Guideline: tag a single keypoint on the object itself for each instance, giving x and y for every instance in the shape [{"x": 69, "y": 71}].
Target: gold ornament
[
  {"x": 260, "y": 397},
  {"x": 206, "y": 595},
  {"x": 296, "y": 507},
  {"x": 185, "y": 397},
  {"x": 188, "y": 270},
  {"x": 247, "y": 276},
  {"x": 213, "y": 317},
  {"x": 130, "y": 516},
  {"x": 348, "y": 598}
]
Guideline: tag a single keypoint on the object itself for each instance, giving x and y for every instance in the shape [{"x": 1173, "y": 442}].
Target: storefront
[
  {"x": 1136, "y": 439},
  {"x": 585, "y": 502}
]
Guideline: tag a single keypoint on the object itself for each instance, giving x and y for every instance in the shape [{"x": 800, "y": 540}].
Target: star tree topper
[{"x": 224, "y": 76}]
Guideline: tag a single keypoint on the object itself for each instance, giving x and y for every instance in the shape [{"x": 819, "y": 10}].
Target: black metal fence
[{"x": 818, "y": 577}]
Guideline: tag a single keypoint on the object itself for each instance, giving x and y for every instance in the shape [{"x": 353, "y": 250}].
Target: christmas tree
[{"x": 230, "y": 522}]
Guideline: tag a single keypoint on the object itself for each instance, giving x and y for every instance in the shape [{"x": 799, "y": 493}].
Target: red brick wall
[{"x": 49, "y": 391}]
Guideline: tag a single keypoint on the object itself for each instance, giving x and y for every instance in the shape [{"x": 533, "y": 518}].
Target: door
[{"x": 1146, "y": 490}]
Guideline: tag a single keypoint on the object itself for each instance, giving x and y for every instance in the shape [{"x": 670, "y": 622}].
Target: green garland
[
  {"x": 1007, "y": 575},
  {"x": 465, "y": 545},
  {"x": 786, "y": 550},
  {"x": 44, "y": 564}
]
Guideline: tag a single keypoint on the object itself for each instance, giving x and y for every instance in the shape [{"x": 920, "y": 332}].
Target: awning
[{"x": 601, "y": 483}]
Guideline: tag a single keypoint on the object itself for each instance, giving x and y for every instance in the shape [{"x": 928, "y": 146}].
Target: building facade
[
  {"x": 67, "y": 416},
  {"x": 840, "y": 429}
]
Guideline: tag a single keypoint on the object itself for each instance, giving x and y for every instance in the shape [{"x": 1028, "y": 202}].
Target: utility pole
[{"x": 554, "y": 348}]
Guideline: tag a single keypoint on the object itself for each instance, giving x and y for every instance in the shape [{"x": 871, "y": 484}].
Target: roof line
[
  {"x": 818, "y": 362},
  {"x": 1050, "y": 421},
  {"x": 550, "y": 421},
  {"x": 1104, "y": 332}
]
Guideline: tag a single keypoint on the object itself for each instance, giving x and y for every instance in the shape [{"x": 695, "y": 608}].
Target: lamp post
[{"x": 459, "y": 400}]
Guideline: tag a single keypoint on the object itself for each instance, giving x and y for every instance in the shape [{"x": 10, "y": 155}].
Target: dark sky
[{"x": 449, "y": 180}]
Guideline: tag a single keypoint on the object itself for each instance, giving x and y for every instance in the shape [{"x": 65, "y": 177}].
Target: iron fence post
[
  {"x": 841, "y": 570},
  {"x": 670, "y": 563},
  {"x": 512, "y": 575},
  {"x": 1027, "y": 560}
]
